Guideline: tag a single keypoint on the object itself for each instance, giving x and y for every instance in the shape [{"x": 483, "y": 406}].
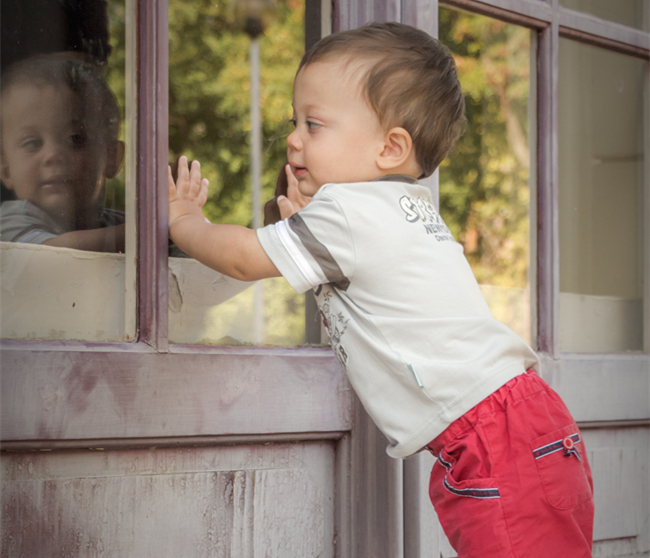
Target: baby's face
[
  {"x": 338, "y": 137},
  {"x": 53, "y": 155}
]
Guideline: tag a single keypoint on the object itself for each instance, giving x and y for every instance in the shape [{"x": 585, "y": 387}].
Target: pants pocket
[
  {"x": 468, "y": 503},
  {"x": 561, "y": 462},
  {"x": 453, "y": 481}
]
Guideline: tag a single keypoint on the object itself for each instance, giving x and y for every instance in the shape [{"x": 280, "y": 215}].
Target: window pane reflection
[
  {"x": 633, "y": 13},
  {"x": 209, "y": 117},
  {"x": 601, "y": 200},
  {"x": 62, "y": 220},
  {"x": 484, "y": 191}
]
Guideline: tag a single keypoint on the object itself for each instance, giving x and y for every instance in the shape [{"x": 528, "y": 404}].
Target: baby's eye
[
  {"x": 293, "y": 121},
  {"x": 78, "y": 139},
  {"x": 32, "y": 144},
  {"x": 312, "y": 125}
]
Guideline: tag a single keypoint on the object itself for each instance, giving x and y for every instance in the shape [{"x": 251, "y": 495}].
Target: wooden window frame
[
  {"x": 150, "y": 356},
  {"x": 552, "y": 21},
  {"x": 150, "y": 365}
]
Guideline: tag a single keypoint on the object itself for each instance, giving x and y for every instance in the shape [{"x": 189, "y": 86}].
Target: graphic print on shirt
[
  {"x": 421, "y": 210},
  {"x": 335, "y": 324}
]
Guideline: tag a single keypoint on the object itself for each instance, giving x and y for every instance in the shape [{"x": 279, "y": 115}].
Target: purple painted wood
[
  {"x": 527, "y": 13},
  {"x": 422, "y": 14},
  {"x": 385, "y": 10},
  {"x": 608, "y": 43},
  {"x": 614, "y": 36},
  {"x": 600, "y": 388},
  {"x": 377, "y": 493},
  {"x": 152, "y": 171},
  {"x": 64, "y": 396},
  {"x": 547, "y": 189}
]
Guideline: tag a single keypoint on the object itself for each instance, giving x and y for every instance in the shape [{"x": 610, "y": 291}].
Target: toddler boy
[
  {"x": 60, "y": 125},
  {"x": 374, "y": 110}
]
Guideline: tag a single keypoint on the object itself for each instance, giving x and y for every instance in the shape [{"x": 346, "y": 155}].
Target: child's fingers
[
  {"x": 171, "y": 187},
  {"x": 291, "y": 179},
  {"x": 195, "y": 178},
  {"x": 293, "y": 192},
  {"x": 183, "y": 178},
  {"x": 202, "y": 195},
  {"x": 286, "y": 207}
]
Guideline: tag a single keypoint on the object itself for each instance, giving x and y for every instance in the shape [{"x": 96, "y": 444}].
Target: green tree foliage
[
  {"x": 209, "y": 97},
  {"x": 484, "y": 193},
  {"x": 114, "y": 74}
]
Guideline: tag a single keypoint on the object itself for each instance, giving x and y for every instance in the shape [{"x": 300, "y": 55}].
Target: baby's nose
[
  {"x": 54, "y": 152},
  {"x": 293, "y": 141}
]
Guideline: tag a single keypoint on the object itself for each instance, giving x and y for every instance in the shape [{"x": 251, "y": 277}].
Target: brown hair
[
  {"x": 83, "y": 78},
  {"x": 409, "y": 79}
]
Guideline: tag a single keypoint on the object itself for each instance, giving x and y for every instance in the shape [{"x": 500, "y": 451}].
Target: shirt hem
[{"x": 437, "y": 424}]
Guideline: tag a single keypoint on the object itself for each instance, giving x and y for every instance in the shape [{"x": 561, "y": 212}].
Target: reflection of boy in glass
[{"x": 60, "y": 125}]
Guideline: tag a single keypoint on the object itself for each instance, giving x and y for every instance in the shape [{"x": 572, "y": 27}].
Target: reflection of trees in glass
[
  {"x": 484, "y": 191},
  {"x": 115, "y": 77},
  {"x": 209, "y": 97},
  {"x": 209, "y": 120}
]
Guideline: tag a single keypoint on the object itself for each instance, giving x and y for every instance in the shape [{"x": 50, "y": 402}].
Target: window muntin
[
  {"x": 601, "y": 193},
  {"x": 633, "y": 13},
  {"x": 67, "y": 257},
  {"x": 209, "y": 119},
  {"x": 484, "y": 186}
]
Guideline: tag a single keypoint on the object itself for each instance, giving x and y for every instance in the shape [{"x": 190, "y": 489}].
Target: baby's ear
[
  {"x": 398, "y": 147},
  {"x": 114, "y": 159},
  {"x": 5, "y": 174}
]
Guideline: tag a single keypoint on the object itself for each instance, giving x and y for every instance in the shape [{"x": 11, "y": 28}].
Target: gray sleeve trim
[{"x": 319, "y": 252}]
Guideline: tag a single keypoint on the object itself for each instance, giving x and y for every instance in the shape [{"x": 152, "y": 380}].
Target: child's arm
[
  {"x": 107, "y": 239},
  {"x": 230, "y": 249}
]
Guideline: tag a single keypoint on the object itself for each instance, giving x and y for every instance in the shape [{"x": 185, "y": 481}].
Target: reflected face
[
  {"x": 53, "y": 155},
  {"x": 338, "y": 137}
]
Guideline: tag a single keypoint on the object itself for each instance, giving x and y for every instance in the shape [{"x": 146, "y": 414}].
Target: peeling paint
[
  {"x": 93, "y": 503},
  {"x": 175, "y": 295}
]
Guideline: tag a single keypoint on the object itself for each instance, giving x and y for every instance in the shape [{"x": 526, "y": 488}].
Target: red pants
[{"x": 512, "y": 478}]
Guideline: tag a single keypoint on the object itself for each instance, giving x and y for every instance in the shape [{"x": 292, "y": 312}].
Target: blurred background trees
[{"x": 484, "y": 192}]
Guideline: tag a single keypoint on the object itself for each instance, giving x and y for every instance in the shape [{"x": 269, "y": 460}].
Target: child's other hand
[
  {"x": 190, "y": 192},
  {"x": 294, "y": 201}
]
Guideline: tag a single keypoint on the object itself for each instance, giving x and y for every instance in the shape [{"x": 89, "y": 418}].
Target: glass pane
[
  {"x": 210, "y": 120},
  {"x": 484, "y": 191},
  {"x": 63, "y": 218},
  {"x": 601, "y": 200},
  {"x": 633, "y": 13}
]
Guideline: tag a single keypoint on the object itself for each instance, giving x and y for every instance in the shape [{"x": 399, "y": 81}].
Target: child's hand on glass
[{"x": 190, "y": 192}]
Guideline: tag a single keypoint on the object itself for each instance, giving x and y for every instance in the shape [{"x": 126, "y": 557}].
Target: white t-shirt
[{"x": 402, "y": 308}]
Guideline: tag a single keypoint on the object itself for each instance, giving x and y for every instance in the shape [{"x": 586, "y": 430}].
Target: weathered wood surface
[
  {"x": 619, "y": 460},
  {"x": 75, "y": 396},
  {"x": 153, "y": 154},
  {"x": 601, "y": 387},
  {"x": 246, "y": 502}
]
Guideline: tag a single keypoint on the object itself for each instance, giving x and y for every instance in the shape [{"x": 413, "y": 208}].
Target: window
[
  {"x": 68, "y": 220},
  {"x": 485, "y": 191},
  {"x": 633, "y": 13},
  {"x": 601, "y": 195}
]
